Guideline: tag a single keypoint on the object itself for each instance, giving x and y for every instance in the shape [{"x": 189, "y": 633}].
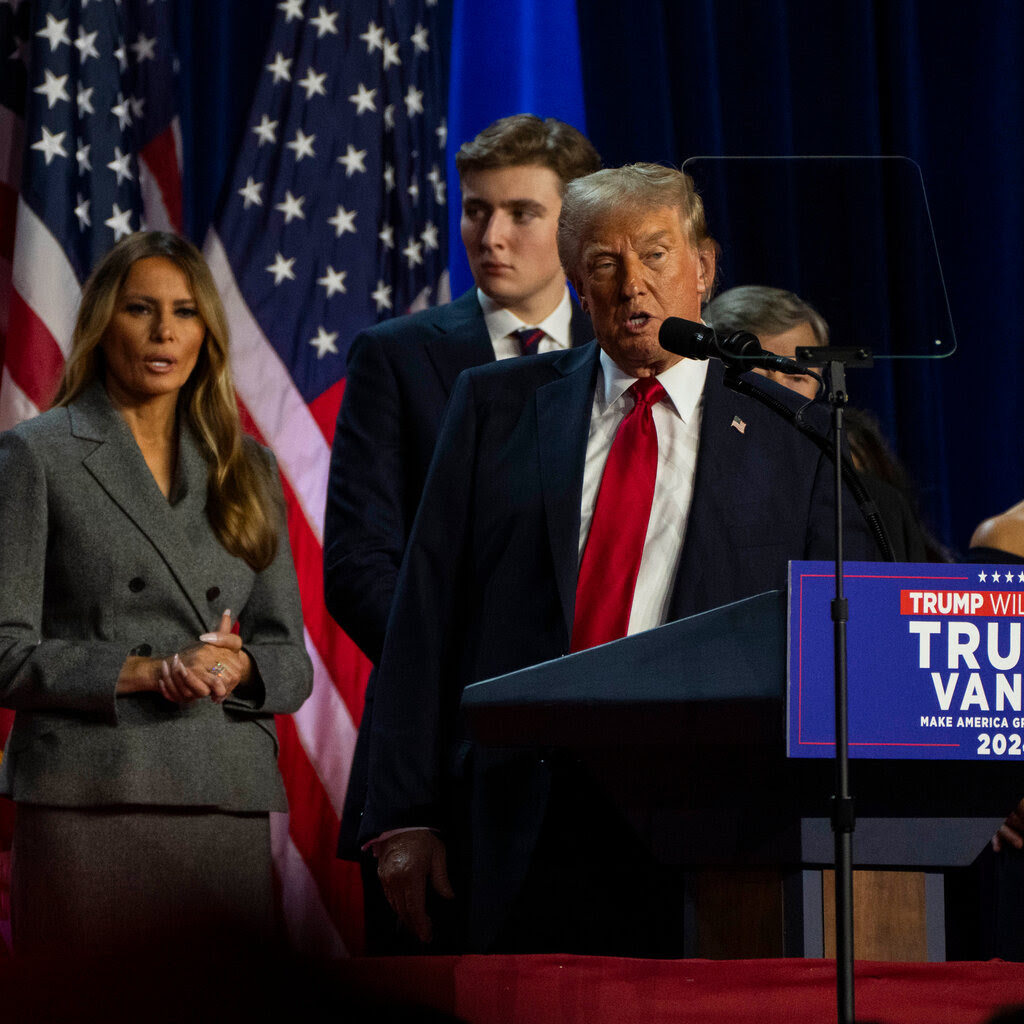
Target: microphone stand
[{"x": 843, "y": 815}]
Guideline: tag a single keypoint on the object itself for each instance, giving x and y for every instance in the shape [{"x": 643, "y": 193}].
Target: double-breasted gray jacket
[{"x": 94, "y": 563}]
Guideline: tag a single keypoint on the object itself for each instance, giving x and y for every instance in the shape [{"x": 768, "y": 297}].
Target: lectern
[{"x": 684, "y": 727}]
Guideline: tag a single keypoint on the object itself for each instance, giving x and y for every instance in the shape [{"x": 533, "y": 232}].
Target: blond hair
[
  {"x": 635, "y": 187},
  {"x": 240, "y": 498}
]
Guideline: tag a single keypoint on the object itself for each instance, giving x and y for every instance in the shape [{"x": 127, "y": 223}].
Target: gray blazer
[{"x": 96, "y": 563}]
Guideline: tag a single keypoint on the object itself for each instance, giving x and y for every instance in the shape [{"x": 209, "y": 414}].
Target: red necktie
[
  {"x": 611, "y": 558},
  {"x": 529, "y": 339}
]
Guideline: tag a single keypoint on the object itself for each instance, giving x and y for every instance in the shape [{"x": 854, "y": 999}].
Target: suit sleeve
[
  {"x": 272, "y": 632},
  {"x": 365, "y": 525},
  {"x": 417, "y": 693},
  {"x": 38, "y": 674}
]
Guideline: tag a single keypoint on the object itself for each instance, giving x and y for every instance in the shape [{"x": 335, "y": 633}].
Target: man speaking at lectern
[{"x": 574, "y": 497}]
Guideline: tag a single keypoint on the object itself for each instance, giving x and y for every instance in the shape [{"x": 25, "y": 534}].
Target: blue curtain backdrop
[{"x": 938, "y": 82}]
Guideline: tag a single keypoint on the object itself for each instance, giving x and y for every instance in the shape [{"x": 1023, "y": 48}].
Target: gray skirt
[{"x": 105, "y": 880}]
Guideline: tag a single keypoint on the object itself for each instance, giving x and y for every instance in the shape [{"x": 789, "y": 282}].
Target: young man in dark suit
[
  {"x": 493, "y": 580},
  {"x": 401, "y": 372}
]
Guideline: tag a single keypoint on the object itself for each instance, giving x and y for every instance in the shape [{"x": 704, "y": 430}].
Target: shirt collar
[
  {"x": 684, "y": 383},
  {"x": 501, "y": 323}
]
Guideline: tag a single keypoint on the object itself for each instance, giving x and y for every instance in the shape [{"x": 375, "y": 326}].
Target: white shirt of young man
[
  {"x": 502, "y": 325},
  {"x": 677, "y": 419}
]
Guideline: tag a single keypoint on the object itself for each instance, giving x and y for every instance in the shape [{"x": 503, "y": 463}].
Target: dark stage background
[{"x": 938, "y": 82}]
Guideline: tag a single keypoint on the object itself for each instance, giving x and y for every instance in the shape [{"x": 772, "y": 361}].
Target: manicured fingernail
[
  {"x": 227, "y": 612},
  {"x": 177, "y": 661},
  {"x": 209, "y": 638}
]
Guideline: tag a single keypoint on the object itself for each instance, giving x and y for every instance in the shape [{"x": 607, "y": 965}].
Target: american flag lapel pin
[{"x": 738, "y": 424}]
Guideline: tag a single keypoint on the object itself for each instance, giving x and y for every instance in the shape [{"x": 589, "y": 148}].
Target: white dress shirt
[
  {"x": 677, "y": 420},
  {"x": 502, "y": 325}
]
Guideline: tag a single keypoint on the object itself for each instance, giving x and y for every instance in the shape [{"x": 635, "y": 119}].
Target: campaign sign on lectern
[{"x": 934, "y": 661}]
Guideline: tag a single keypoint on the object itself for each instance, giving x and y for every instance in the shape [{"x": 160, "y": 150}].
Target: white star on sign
[
  {"x": 266, "y": 130},
  {"x": 313, "y": 83},
  {"x": 281, "y": 68},
  {"x": 364, "y": 99},
  {"x": 119, "y": 222},
  {"x": 353, "y": 160},
  {"x": 982, "y": 576},
  {"x": 144, "y": 48},
  {"x": 413, "y": 101},
  {"x": 995, "y": 577},
  {"x": 282, "y": 268},
  {"x": 86, "y": 44},
  {"x": 292, "y": 10},
  {"x": 250, "y": 192},
  {"x": 55, "y": 33},
  {"x": 373, "y": 37},
  {"x": 413, "y": 253},
  {"x": 391, "y": 54},
  {"x": 119, "y": 165},
  {"x": 342, "y": 221},
  {"x": 291, "y": 207},
  {"x": 382, "y": 296},
  {"x": 54, "y": 88},
  {"x": 419, "y": 39},
  {"x": 325, "y": 23},
  {"x": 50, "y": 145},
  {"x": 324, "y": 342},
  {"x": 333, "y": 280},
  {"x": 302, "y": 144}
]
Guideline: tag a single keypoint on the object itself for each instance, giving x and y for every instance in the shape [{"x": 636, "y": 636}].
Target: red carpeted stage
[{"x": 606, "y": 990}]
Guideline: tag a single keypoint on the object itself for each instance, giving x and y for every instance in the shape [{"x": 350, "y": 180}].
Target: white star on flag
[
  {"x": 333, "y": 280},
  {"x": 324, "y": 342},
  {"x": 342, "y": 221},
  {"x": 353, "y": 160}
]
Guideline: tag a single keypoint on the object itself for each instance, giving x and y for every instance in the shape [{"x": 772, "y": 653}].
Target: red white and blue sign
[{"x": 934, "y": 661}]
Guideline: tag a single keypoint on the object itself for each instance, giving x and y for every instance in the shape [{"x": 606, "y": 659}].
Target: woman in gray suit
[{"x": 150, "y": 627}]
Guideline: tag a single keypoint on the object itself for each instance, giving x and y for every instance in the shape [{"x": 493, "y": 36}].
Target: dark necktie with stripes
[{"x": 529, "y": 339}]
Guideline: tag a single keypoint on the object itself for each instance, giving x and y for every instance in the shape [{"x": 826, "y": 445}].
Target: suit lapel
[
  {"x": 716, "y": 486},
  {"x": 563, "y": 421},
  {"x": 460, "y": 339},
  {"x": 118, "y": 466},
  {"x": 580, "y": 328}
]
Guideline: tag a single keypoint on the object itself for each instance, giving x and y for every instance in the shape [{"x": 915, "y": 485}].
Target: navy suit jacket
[
  {"x": 488, "y": 587},
  {"x": 400, "y": 374}
]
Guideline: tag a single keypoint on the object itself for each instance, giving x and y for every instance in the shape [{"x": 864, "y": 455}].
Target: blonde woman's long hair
[{"x": 241, "y": 501}]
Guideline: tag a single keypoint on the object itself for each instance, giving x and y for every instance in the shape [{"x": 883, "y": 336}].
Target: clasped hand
[{"x": 212, "y": 668}]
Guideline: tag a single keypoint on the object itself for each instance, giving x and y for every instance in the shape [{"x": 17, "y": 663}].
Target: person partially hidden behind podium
[{"x": 573, "y": 498}]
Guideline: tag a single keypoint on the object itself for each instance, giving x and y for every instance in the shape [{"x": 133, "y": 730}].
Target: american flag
[
  {"x": 89, "y": 151},
  {"x": 336, "y": 218}
]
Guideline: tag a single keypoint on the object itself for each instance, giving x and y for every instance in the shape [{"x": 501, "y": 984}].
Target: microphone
[{"x": 741, "y": 350}]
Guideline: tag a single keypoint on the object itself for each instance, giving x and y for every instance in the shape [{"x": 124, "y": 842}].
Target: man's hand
[
  {"x": 405, "y": 862},
  {"x": 1011, "y": 832}
]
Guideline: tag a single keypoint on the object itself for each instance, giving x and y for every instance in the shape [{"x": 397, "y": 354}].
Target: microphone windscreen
[{"x": 687, "y": 338}]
